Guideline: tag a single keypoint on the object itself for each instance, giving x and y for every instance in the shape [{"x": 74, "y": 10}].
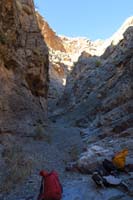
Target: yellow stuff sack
[{"x": 119, "y": 159}]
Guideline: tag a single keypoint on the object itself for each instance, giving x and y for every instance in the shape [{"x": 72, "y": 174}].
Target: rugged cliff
[
  {"x": 89, "y": 98},
  {"x": 63, "y": 53},
  {"x": 23, "y": 68},
  {"x": 53, "y": 41},
  {"x": 98, "y": 91}
]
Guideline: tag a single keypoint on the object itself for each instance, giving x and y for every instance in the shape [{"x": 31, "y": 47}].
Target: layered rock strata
[
  {"x": 98, "y": 91},
  {"x": 23, "y": 68}
]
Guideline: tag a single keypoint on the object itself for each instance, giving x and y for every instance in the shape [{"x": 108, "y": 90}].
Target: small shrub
[
  {"x": 41, "y": 135},
  {"x": 74, "y": 153},
  {"x": 17, "y": 167},
  {"x": 55, "y": 93},
  {"x": 37, "y": 51},
  {"x": 98, "y": 63},
  {"x": 3, "y": 39}
]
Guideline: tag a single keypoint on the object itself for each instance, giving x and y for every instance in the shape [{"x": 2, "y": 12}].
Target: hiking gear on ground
[
  {"x": 40, "y": 196},
  {"x": 112, "y": 180},
  {"x": 129, "y": 168},
  {"x": 102, "y": 171},
  {"x": 109, "y": 166},
  {"x": 51, "y": 188},
  {"x": 98, "y": 179},
  {"x": 119, "y": 159}
]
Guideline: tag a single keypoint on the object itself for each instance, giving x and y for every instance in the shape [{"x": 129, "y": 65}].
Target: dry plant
[
  {"x": 74, "y": 152},
  {"x": 41, "y": 135},
  {"x": 17, "y": 167},
  {"x": 98, "y": 63}
]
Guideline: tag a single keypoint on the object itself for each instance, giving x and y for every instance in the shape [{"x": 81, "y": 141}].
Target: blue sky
[{"x": 94, "y": 19}]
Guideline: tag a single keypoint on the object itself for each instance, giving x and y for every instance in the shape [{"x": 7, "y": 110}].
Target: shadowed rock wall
[
  {"x": 98, "y": 92},
  {"x": 23, "y": 68}
]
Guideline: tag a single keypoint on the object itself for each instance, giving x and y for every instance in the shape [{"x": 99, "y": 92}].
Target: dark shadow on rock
[
  {"x": 24, "y": 68},
  {"x": 98, "y": 90}
]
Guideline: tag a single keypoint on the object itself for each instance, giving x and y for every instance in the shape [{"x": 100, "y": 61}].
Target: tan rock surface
[
  {"x": 23, "y": 68},
  {"x": 53, "y": 41}
]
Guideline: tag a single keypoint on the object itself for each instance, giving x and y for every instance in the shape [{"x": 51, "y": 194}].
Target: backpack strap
[{"x": 41, "y": 190}]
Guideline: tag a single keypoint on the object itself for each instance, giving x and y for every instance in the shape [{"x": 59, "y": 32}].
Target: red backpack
[{"x": 50, "y": 189}]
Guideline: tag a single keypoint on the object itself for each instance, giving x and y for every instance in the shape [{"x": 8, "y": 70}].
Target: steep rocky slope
[
  {"x": 64, "y": 53},
  {"x": 62, "y": 63},
  {"x": 116, "y": 37},
  {"x": 23, "y": 68},
  {"x": 98, "y": 91},
  {"x": 53, "y": 41}
]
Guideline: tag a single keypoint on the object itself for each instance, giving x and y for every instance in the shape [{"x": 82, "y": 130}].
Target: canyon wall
[
  {"x": 98, "y": 92},
  {"x": 23, "y": 68},
  {"x": 80, "y": 56}
]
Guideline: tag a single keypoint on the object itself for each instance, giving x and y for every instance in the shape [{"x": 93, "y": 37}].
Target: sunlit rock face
[
  {"x": 23, "y": 68},
  {"x": 53, "y": 41},
  {"x": 68, "y": 53},
  {"x": 116, "y": 37},
  {"x": 63, "y": 53},
  {"x": 98, "y": 91}
]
